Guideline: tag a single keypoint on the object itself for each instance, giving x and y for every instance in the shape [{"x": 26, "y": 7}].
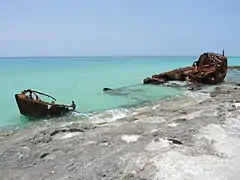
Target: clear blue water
[{"x": 82, "y": 80}]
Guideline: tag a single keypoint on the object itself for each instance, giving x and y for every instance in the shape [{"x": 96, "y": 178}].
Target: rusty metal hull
[
  {"x": 210, "y": 68},
  {"x": 40, "y": 109}
]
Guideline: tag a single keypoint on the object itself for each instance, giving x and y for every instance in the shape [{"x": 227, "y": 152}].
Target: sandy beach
[{"x": 194, "y": 138}]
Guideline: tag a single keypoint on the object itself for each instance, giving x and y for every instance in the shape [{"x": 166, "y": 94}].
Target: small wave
[
  {"x": 104, "y": 116},
  {"x": 179, "y": 83},
  {"x": 198, "y": 95},
  {"x": 80, "y": 114},
  {"x": 109, "y": 115}
]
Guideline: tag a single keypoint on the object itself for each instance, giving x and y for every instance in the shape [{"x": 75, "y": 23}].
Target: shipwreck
[
  {"x": 30, "y": 105},
  {"x": 210, "y": 68}
]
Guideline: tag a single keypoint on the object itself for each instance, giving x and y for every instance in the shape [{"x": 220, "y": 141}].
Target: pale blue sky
[{"x": 118, "y": 27}]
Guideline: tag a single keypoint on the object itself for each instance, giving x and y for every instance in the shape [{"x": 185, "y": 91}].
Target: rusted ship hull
[
  {"x": 210, "y": 68},
  {"x": 40, "y": 109}
]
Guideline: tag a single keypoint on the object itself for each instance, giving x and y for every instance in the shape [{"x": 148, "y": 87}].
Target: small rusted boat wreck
[
  {"x": 30, "y": 105},
  {"x": 210, "y": 68}
]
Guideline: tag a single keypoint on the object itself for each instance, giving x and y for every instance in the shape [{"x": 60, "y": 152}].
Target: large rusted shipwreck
[
  {"x": 210, "y": 68},
  {"x": 30, "y": 105}
]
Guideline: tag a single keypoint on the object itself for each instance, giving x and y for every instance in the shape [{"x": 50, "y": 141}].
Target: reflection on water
[{"x": 233, "y": 76}]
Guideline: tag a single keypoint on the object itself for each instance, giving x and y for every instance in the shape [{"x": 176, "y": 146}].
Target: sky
[{"x": 118, "y": 27}]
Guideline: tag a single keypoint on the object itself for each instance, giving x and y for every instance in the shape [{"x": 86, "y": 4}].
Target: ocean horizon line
[
  {"x": 110, "y": 56},
  {"x": 127, "y": 56}
]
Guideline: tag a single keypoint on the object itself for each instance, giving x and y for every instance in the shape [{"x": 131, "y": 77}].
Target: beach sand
[{"x": 176, "y": 139}]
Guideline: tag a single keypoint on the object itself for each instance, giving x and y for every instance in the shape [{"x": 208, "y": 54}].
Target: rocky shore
[{"x": 184, "y": 138}]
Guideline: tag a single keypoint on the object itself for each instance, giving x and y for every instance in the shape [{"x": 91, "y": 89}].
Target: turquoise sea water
[{"x": 82, "y": 79}]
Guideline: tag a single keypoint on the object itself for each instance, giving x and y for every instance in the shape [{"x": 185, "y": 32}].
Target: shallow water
[{"x": 82, "y": 80}]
